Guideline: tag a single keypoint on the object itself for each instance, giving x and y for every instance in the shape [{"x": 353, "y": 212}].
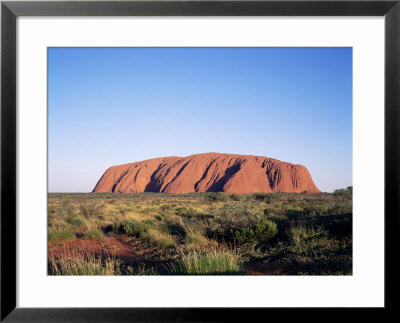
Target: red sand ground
[{"x": 113, "y": 247}]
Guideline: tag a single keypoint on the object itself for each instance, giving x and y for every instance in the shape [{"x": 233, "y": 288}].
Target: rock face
[{"x": 210, "y": 172}]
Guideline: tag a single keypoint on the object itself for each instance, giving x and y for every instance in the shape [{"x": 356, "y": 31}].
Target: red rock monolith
[{"x": 209, "y": 172}]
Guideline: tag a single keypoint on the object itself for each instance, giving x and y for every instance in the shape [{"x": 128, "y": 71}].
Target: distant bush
[
  {"x": 344, "y": 192},
  {"x": 235, "y": 197},
  {"x": 336, "y": 208},
  {"x": 260, "y": 196},
  {"x": 267, "y": 197},
  {"x": 216, "y": 197}
]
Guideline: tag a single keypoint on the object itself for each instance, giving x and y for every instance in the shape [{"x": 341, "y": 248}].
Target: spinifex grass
[
  {"x": 75, "y": 264},
  {"x": 60, "y": 233},
  {"x": 194, "y": 237},
  {"x": 212, "y": 262},
  {"x": 160, "y": 239}
]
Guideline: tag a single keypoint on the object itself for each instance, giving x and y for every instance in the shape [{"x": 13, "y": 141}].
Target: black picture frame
[{"x": 10, "y": 10}]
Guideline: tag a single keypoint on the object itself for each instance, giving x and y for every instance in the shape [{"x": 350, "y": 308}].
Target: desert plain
[{"x": 206, "y": 214}]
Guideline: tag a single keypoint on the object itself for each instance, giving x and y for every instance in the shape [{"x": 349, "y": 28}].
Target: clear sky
[{"x": 110, "y": 106}]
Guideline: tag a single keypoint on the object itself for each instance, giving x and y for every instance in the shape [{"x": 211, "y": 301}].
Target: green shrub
[
  {"x": 344, "y": 192},
  {"x": 231, "y": 217},
  {"x": 131, "y": 228},
  {"x": 341, "y": 208},
  {"x": 261, "y": 231},
  {"x": 299, "y": 234}
]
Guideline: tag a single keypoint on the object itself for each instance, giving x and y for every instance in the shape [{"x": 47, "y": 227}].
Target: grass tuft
[
  {"x": 59, "y": 234},
  {"x": 160, "y": 239},
  {"x": 194, "y": 237},
  {"x": 83, "y": 265},
  {"x": 214, "y": 262},
  {"x": 94, "y": 234}
]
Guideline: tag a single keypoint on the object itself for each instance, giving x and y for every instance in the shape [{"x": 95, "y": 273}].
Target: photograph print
[{"x": 199, "y": 161}]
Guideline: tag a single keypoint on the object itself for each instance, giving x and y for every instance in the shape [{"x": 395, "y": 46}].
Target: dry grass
[
  {"x": 78, "y": 264},
  {"x": 310, "y": 234},
  {"x": 160, "y": 239},
  {"x": 194, "y": 237},
  {"x": 60, "y": 233},
  {"x": 212, "y": 262}
]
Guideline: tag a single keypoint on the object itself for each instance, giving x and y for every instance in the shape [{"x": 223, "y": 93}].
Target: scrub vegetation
[{"x": 200, "y": 234}]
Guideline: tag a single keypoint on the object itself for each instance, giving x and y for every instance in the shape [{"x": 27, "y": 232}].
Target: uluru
[{"x": 208, "y": 172}]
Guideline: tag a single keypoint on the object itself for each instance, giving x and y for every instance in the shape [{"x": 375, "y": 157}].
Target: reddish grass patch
[{"x": 114, "y": 247}]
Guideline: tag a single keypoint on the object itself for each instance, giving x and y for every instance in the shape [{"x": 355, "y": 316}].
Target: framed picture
[{"x": 197, "y": 160}]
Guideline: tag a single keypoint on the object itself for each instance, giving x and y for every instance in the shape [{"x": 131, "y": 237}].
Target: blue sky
[{"x": 109, "y": 106}]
